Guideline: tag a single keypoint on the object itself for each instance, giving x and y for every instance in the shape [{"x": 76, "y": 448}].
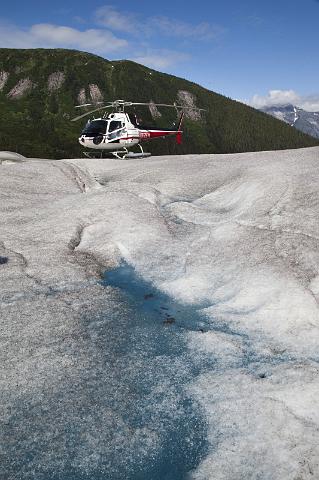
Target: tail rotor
[{"x": 179, "y": 131}]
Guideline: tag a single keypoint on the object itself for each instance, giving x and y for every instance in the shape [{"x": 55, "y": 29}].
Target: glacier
[{"x": 232, "y": 239}]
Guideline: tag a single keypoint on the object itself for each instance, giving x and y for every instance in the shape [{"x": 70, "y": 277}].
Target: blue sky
[{"x": 254, "y": 51}]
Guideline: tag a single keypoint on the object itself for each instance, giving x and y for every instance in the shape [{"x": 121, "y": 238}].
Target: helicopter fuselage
[{"x": 117, "y": 132}]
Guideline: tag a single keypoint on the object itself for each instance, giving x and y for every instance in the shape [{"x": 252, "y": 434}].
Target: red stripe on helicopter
[
  {"x": 146, "y": 135},
  {"x": 156, "y": 133},
  {"x": 128, "y": 138}
]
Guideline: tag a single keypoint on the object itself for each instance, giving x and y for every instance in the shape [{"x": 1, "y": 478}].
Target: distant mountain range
[
  {"x": 306, "y": 122},
  {"x": 40, "y": 87}
]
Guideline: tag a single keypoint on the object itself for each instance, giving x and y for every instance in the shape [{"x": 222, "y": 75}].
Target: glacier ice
[{"x": 233, "y": 236}]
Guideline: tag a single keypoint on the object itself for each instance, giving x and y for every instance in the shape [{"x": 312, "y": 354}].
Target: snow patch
[
  {"x": 295, "y": 118},
  {"x": 279, "y": 115}
]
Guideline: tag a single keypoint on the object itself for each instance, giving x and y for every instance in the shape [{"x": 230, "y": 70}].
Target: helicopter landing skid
[
  {"x": 119, "y": 154},
  {"x": 125, "y": 154},
  {"x": 93, "y": 154},
  {"x": 137, "y": 155}
]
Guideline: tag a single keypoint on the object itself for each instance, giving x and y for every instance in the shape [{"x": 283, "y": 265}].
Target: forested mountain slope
[{"x": 40, "y": 87}]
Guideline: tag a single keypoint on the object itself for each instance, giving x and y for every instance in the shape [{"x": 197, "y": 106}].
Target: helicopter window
[
  {"x": 114, "y": 125},
  {"x": 133, "y": 119},
  {"x": 96, "y": 127}
]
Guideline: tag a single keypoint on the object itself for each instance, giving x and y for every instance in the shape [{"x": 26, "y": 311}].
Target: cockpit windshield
[{"x": 94, "y": 128}]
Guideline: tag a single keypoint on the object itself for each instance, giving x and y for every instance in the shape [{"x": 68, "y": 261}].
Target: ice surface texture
[{"x": 233, "y": 236}]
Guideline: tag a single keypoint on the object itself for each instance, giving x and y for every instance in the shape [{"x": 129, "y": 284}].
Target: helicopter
[{"x": 116, "y": 132}]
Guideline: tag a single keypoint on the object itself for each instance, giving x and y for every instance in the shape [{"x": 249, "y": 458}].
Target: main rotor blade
[
  {"x": 156, "y": 104},
  {"x": 167, "y": 105},
  {"x": 90, "y": 104},
  {"x": 89, "y": 113}
]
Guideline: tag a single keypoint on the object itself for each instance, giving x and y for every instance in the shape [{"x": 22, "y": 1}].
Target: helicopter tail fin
[{"x": 179, "y": 131}]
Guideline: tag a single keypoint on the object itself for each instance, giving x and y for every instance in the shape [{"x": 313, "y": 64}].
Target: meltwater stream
[{"x": 168, "y": 432}]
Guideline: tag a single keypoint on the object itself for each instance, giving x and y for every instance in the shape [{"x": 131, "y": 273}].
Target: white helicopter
[{"x": 116, "y": 132}]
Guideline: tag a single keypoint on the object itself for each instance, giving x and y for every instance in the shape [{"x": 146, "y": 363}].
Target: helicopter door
[
  {"x": 114, "y": 125},
  {"x": 116, "y": 129}
]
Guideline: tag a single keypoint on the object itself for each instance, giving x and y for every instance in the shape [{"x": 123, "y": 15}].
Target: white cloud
[
  {"x": 112, "y": 18},
  {"x": 309, "y": 103},
  {"x": 103, "y": 41},
  {"x": 160, "y": 59},
  {"x": 109, "y": 17},
  {"x": 50, "y": 36},
  {"x": 176, "y": 28},
  {"x": 274, "y": 97},
  {"x": 100, "y": 41},
  {"x": 138, "y": 38}
]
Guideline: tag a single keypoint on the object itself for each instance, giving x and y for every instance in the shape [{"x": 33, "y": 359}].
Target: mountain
[
  {"x": 40, "y": 87},
  {"x": 306, "y": 122}
]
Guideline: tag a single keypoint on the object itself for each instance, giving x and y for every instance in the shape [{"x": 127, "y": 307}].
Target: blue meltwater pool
[
  {"x": 115, "y": 401},
  {"x": 167, "y": 429}
]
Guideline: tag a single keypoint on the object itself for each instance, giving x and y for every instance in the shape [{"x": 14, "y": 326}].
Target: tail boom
[{"x": 149, "y": 134}]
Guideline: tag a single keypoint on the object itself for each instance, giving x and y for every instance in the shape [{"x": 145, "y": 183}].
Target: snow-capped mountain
[{"x": 307, "y": 122}]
